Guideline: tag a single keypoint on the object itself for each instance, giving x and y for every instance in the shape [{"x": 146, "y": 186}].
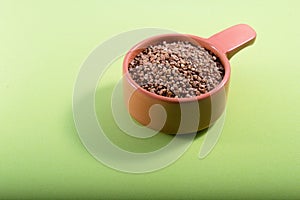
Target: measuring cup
[{"x": 209, "y": 106}]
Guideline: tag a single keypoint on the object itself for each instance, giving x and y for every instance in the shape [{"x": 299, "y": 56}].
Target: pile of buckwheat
[{"x": 178, "y": 69}]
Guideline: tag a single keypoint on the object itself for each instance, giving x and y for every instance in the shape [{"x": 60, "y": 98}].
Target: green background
[{"x": 44, "y": 43}]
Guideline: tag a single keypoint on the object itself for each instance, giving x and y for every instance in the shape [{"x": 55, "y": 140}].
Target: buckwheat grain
[{"x": 177, "y": 69}]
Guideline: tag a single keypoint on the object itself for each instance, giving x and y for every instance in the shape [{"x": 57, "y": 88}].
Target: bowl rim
[{"x": 203, "y": 42}]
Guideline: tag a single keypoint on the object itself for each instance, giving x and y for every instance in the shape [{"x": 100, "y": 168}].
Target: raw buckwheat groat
[{"x": 178, "y": 69}]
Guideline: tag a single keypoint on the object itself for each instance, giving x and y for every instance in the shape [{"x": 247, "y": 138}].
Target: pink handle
[{"x": 233, "y": 39}]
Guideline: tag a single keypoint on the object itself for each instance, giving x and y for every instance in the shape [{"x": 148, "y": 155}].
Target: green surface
[{"x": 43, "y": 44}]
